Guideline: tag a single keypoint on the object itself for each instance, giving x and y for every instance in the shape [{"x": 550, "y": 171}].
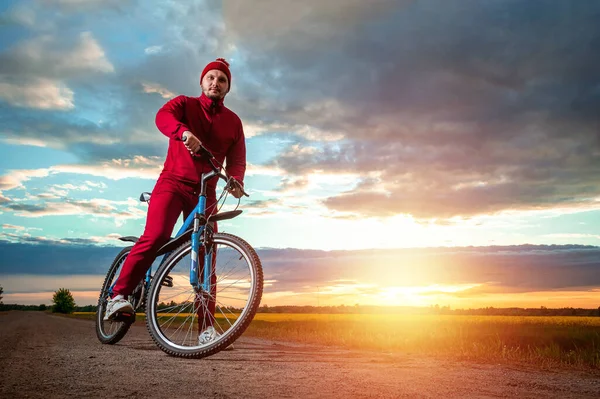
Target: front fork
[{"x": 204, "y": 285}]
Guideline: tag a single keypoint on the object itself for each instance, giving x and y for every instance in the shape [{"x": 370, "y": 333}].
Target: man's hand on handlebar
[
  {"x": 235, "y": 188},
  {"x": 195, "y": 147},
  {"x": 191, "y": 142}
]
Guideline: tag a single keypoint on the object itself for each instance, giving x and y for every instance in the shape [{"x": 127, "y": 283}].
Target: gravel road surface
[{"x": 48, "y": 356}]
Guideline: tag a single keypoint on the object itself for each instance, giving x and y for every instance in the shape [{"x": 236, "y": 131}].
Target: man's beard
[{"x": 214, "y": 96}]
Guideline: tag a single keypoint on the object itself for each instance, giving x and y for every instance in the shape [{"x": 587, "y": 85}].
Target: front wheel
[{"x": 196, "y": 323}]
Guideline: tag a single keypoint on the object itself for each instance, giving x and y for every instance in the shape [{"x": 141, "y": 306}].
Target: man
[{"x": 188, "y": 122}]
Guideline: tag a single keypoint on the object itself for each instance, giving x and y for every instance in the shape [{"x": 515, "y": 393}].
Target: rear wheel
[
  {"x": 176, "y": 313},
  {"x": 112, "y": 331}
]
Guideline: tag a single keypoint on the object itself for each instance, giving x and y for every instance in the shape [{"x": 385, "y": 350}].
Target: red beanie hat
[{"x": 221, "y": 65}]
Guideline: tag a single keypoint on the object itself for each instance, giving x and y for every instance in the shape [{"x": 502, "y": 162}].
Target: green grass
[{"x": 540, "y": 340}]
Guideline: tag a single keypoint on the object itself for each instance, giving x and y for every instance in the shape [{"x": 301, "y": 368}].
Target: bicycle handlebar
[{"x": 230, "y": 181}]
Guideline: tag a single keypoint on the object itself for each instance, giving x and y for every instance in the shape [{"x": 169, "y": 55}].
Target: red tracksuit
[{"x": 220, "y": 131}]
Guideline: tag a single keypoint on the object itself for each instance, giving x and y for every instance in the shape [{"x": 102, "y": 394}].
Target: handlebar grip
[{"x": 203, "y": 149}]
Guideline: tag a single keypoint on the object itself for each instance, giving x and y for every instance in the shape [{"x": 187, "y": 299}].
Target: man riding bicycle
[{"x": 189, "y": 122}]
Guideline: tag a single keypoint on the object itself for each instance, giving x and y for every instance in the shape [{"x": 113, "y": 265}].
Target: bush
[{"x": 63, "y": 301}]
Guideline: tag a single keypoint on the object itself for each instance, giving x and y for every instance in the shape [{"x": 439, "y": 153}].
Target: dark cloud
[
  {"x": 113, "y": 115},
  {"x": 59, "y": 259},
  {"x": 289, "y": 183},
  {"x": 263, "y": 204},
  {"x": 3, "y": 199},
  {"x": 70, "y": 6},
  {"x": 499, "y": 269},
  {"x": 92, "y": 142},
  {"x": 26, "y": 208},
  {"x": 509, "y": 269},
  {"x": 464, "y": 107},
  {"x": 459, "y": 108},
  {"x": 68, "y": 206}
]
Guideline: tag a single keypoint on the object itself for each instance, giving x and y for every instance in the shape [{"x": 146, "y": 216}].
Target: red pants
[{"x": 169, "y": 199}]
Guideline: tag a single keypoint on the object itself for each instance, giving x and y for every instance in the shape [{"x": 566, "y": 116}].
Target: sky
[{"x": 399, "y": 152}]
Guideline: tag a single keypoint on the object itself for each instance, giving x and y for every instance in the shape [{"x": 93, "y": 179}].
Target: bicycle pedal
[
  {"x": 125, "y": 317},
  {"x": 167, "y": 282}
]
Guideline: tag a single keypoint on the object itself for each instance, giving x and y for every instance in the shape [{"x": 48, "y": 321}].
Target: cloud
[
  {"x": 116, "y": 169},
  {"x": 254, "y": 128},
  {"x": 113, "y": 116},
  {"x": 153, "y": 49},
  {"x": 454, "y": 123},
  {"x": 90, "y": 141},
  {"x": 12, "y": 227},
  {"x": 24, "y": 284},
  {"x": 465, "y": 272},
  {"x": 117, "y": 210},
  {"x": 40, "y": 93},
  {"x": 20, "y": 14},
  {"x": 3, "y": 199},
  {"x": 441, "y": 111},
  {"x": 273, "y": 23},
  {"x": 573, "y": 235},
  {"x": 99, "y": 185},
  {"x": 50, "y": 57},
  {"x": 33, "y": 73},
  {"x": 490, "y": 270},
  {"x": 154, "y": 88},
  {"x": 15, "y": 179},
  {"x": 138, "y": 167},
  {"x": 55, "y": 201},
  {"x": 266, "y": 170},
  {"x": 27, "y": 238},
  {"x": 70, "y": 186},
  {"x": 61, "y": 256},
  {"x": 73, "y": 6}
]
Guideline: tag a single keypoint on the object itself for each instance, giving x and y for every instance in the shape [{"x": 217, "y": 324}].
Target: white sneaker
[
  {"x": 118, "y": 304},
  {"x": 209, "y": 335}
]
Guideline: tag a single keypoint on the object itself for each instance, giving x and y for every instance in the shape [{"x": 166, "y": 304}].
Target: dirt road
[{"x": 48, "y": 356}]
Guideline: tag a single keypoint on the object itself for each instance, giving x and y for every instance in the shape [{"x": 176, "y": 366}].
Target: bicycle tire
[
  {"x": 121, "y": 330},
  {"x": 240, "y": 324}
]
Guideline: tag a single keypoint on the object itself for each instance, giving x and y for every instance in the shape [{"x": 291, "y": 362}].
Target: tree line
[
  {"x": 63, "y": 302},
  {"x": 435, "y": 309}
]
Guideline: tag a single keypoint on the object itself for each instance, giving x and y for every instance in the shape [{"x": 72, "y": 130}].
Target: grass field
[
  {"x": 545, "y": 341},
  {"x": 542, "y": 340}
]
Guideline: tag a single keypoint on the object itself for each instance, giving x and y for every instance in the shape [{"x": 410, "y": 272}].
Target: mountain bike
[{"x": 186, "y": 296}]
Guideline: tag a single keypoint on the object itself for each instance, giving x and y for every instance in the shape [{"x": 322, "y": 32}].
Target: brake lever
[{"x": 230, "y": 186}]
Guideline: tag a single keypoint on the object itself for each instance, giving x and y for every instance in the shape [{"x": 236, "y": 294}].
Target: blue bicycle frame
[
  {"x": 198, "y": 219},
  {"x": 195, "y": 218}
]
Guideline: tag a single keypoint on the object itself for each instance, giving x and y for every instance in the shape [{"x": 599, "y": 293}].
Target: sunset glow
[{"x": 454, "y": 165}]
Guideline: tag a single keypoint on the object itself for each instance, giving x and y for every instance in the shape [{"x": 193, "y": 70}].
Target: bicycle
[{"x": 180, "y": 292}]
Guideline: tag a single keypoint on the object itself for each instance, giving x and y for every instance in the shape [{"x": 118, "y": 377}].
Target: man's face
[{"x": 215, "y": 84}]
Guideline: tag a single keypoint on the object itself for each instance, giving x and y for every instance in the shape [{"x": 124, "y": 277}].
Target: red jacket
[{"x": 218, "y": 128}]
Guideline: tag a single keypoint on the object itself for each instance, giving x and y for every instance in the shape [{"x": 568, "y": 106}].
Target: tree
[{"x": 63, "y": 301}]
